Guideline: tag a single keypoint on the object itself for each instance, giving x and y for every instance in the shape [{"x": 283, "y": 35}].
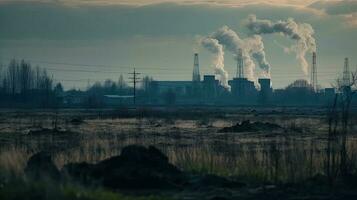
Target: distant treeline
[
  {"x": 145, "y": 91},
  {"x": 23, "y": 85}
]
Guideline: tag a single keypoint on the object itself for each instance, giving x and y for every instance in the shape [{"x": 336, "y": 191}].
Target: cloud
[
  {"x": 95, "y": 22},
  {"x": 347, "y": 9},
  {"x": 336, "y": 7},
  {"x": 59, "y": 21},
  {"x": 351, "y": 19},
  {"x": 235, "y": 3}
]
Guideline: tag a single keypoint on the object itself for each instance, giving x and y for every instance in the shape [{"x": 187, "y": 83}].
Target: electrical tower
[
  {"x": 135, "y": 79},
  {"x": 240, "y": 70},
  {"x": 314, "y": 72},
  {"x": 196, "y": 77},
  {"x": 346, "y": 73}
]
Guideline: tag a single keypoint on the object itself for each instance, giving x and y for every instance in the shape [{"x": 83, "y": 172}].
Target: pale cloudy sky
[
  {"x": 97, "y": 39},
  {"x": 146, "y": 2}
]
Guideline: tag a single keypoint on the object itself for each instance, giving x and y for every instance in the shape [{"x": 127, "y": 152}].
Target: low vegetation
[
  {"x": 35, "y": 190},
  {"x": 273, "y": 159}
]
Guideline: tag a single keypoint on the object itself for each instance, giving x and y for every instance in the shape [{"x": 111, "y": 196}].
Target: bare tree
[
  {"x": 19, "y": 79},
  {"x": 37, "y": 77},
  {"x": 110, "y": 87},
  {"x": 121, "y": 83},
  {"x": 339, "y": 115},
  {"x": 25, "y": 78},
  {"x": 146, "y": 82},
  {"x": 11, "y": 76},
  {"x": 348, "y": 91}
]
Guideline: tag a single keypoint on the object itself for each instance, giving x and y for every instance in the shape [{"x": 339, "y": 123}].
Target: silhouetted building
[
  {"x": 117, "y": 100},
  {"x": 243, "y": 90},
  {"x": 210, "y": 86},
  {"x": 265, "y": 90},
  {"x": 329, "y": 94},
  {"x": 298, "y": 93},
  {"x": 179, "y": 87},
  {"x": 74, "y": 98}
]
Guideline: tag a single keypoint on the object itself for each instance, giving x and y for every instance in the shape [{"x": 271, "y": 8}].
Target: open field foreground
[{"x": 212, "y": 153}]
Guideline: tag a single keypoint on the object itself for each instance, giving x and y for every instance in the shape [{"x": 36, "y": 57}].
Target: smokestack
[
  {"x": 196, "y": 77},
  {"x": 240, "y": 70},
  {"x": 314, "y": 72},
  {"x": 346, "y": 73}
]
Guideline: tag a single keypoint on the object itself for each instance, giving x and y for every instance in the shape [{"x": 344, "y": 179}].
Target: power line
[
  {"x": 278, "y": 75},
  {"x": 274, "y": 71},
  {"x": 165, "y": 68},
  {"x": 98, "y": 65},
  {"x": 169, "y": 73}
]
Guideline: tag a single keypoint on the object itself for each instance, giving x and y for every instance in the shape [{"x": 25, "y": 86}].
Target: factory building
[
  {"x": 329, "y": 94},
  {"x": 243, "y": 91},
  {"x": 179, "y": 87},
  {"x": 210, "y": 87},
  {"x": 266, "y": 91}
]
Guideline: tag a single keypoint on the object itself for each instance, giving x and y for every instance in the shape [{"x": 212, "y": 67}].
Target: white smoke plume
[
  {"x": 302, "y": 33},
  {"x": 216, "y": 48},
  {"x": 251, "y": 47}
]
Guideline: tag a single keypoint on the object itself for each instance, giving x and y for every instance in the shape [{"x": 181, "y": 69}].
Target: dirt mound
[
  {"x": 41, "y": 166},
  {"x": 137, "y": 167},
  {"x": 46, "y": 131},
  {"x": 247, "y": 126},
  {"x": 76, "y": 121}
]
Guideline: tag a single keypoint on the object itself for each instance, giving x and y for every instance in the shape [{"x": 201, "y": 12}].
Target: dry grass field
[{"x": 192, "y": 140}]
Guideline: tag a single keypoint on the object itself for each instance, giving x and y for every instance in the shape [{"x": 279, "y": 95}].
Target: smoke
[
  {"x": 251, "y": 47},
  {"x": 256, "y": 46},
  {"x": 216, "y": 48},
  {"x": 302, "y": 33}
]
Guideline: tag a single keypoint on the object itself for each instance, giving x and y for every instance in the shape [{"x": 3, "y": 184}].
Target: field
[{"x": 287, "y": 146}]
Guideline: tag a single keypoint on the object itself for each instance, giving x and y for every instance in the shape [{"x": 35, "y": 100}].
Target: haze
[{"x": 81, "y": 42}]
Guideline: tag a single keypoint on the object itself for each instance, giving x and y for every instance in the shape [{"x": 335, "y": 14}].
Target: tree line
[{"x": 22, "y": 85}]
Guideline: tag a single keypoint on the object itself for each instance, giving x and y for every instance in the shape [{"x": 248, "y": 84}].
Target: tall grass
[{"x": 292, "y": 156}]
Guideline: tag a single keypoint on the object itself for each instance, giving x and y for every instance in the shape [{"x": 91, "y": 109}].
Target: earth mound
[
  {"x": 41, "y": 166},
  {"x": 136, "y": 167},
  {"x": 247, "y": 126}
]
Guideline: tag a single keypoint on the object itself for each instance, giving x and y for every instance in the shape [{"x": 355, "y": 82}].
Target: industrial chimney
[
  {"x": 313, "y": 81},
  {"x": 196, "y": 69},
  {"x": 346, "y": 73},
  {"x": 240, "y": 70}
]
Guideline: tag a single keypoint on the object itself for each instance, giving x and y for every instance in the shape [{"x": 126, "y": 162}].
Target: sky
[{"x": 84, "y": 41}]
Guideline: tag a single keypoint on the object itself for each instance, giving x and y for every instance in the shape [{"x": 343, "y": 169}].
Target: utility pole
[{"x": 135, "y": 79}]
